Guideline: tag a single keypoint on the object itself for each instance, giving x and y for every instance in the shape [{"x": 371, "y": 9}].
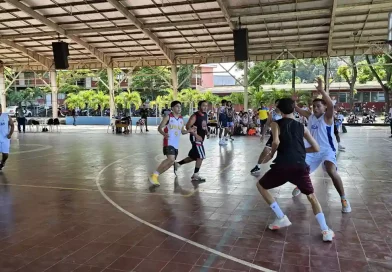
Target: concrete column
[
  {"x": 246, "y": 102},
  {"x": 53, "y": 87},
  {"x": 326, "y": 76},
  {"x": 174, "y": 79},
  {"x": 111, "y": 91},
  {"x": 3, "y": 100},
  {"x": 390, "y": 29}
]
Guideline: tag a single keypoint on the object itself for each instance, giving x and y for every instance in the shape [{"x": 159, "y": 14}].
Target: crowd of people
[{"x": 301, "y": 145}]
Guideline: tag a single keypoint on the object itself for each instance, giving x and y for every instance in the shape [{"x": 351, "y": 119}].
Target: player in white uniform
[
  {"x": 6, "y": 130},
  {"x": 171, "y": 127},
  {"x": 321, "y": 126},
  {"x": 273, "y": 116}
]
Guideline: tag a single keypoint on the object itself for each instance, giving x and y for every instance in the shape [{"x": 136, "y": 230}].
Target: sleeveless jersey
[
  {"x": 201, "y": 124},
  {"x": 230, "y": 114},
  {"x": 4, "y": 127},
  {"x": 322, "y": 133},
  {"x": 222, "y": 113},
  {"x": 291, "y": 149},
  {"x": 173, "y": 128}
]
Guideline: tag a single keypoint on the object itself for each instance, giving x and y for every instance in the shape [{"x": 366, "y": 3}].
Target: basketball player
[
  {"x": 6, "y": 129},
  {"x": 321, "y": 126},
  {"x": 171, "y": 127},
  {"x": 199, "y": 119},
  {"x": 230, "y": 119},
  {"x": 273, "y": 116},
  {"x": 289, "y": 165},
  {"x": 222, "y": 122}
]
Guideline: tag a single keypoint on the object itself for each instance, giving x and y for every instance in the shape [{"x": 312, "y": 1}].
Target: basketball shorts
[
  {"x": 230, "y": 123},
  {"x": 315, "y": 159},
  {"x": 295, "y": 174},
  {"x": 197, "y": 151},
  {"x": 5, "y": 146},
  {"x": 170, "y": 151},
  {"x": 223, "y": 122}
]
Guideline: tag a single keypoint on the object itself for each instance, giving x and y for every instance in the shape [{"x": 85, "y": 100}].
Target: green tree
[
  {"x": 263, "y": 72},
  {"x": 74, "y": 101},
  {"x": 256, "y": 97},
  {"x": 190, "y": 97},
  {"x": 381, "y": 72},
  {"x": 350, "y": 75},
  {"x": 127, "y": 99},
  {"x": 101, "y": 100},
  {"x": 88, "y": 99},
  {"x": 151, "y": 81},
  {"x": 185, "y": 76}
]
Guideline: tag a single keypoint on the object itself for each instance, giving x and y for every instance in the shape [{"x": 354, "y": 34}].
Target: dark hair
[
  {"x": 174, "y": 103},
  {"x": 223, "y": 101},
  {"x": 320, "y": 100},
  {"x": 286, "y": 105},
  {"x": 201, "y": 103},
  {"x": 277, "y": 101}
]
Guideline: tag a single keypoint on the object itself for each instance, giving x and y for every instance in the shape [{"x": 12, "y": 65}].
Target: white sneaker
[
  {"x": 341, "y": 148},
  {"x": 197, "y": 178},
  {"x": 346, "y": 208},
  {"x": 328, "y": 235},
  {"x": 280, "y": 223},
  {"x": 222, "y": 142},
  {"x": 296, "y": 192}
]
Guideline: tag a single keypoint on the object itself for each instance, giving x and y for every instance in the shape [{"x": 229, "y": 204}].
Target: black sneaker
[
  {"x": 1, "y": 166},
  {"x": 256, "y": 170}
]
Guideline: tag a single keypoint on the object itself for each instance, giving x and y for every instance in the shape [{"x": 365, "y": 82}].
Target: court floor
[{"x": 81, "y": 202}]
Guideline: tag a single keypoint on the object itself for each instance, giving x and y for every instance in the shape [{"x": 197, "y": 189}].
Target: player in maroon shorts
[{"x": 289, "y": 165}]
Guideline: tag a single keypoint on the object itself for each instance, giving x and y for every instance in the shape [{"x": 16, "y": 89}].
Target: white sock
[
  {"x": 156, "y": 173},
  {"x": 259, "y": 165},
  {"x": 321, "y": 220},
  {"x": 275, "y": 207}
]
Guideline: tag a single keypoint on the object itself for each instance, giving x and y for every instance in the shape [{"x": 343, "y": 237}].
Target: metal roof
[{"x": 156, "y": 32}]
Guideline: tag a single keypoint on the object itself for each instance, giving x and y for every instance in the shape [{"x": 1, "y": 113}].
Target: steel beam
[
  {"x": 96, "y": 53},
  {"x": 130, "y": 16},
  {"x": 331, "y": 25},
  {"x": 223, "y": 6},
  {"x": 44, "y": 61}
]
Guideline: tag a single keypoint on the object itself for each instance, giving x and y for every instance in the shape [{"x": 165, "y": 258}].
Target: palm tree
[
  {"x": 189, "y": 97},
  {"x": 159, "y": 102},
  {"x": 128, "y": 98},
  {"x": 101, "y": 100},
  {"x": 74, "y": 101},
  {"x": 88, "y": 99},
  {"x": 257, "y": 97}
]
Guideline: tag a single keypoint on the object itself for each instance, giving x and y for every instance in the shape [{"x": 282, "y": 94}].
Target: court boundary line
[{"x": 131, "y": 215}]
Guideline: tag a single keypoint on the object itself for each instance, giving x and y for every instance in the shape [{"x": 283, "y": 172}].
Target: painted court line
[
  {"x": 40, "y": 148},
  {"x": 168, "y": 232}
]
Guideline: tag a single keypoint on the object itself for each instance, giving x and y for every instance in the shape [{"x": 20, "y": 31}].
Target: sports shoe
[
  {"x": 222, "y": 142},
  {"x": 1, "y": 166},
  {"x": 341, "y": 148},
  {"x": 280, "y": 223},
  {"x": 346, "y": 208},
  {"x": 153, "y": 179},
  {"x": 197, "y": 178},
  {"x": 296, "y": 192},
  {"x": 256, "y": 170},
  {"x": 328, "y": 235}
]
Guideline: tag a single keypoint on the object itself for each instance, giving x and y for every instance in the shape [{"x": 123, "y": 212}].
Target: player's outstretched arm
[{"x": 329, "y": 113}]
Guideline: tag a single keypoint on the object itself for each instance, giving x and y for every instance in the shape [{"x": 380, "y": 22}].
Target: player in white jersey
[
  {"x": 273, "y": 116},
  {"x": 321, "y": 126},
  {"x": 6, "y": 130},
  {"x": 171, "y": 127}
]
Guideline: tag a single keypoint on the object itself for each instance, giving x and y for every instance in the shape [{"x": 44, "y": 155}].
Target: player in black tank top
[
  {"x": 197, "y": 153},
  {"x": 290, "y": 166}
]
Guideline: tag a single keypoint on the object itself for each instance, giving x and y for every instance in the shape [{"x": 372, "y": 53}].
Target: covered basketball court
[
  {"x": 79, "y": 201},
  {"x": 105, "y": 34}
]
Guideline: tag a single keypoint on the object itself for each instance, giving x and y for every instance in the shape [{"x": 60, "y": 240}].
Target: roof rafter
[
  {"x": 130, "y": 16},
  {"x": 38, "y": 58},
  {"x": 96, "y": 53},
  {"x": 225, "y": 11},
  {"x": 332, "y": 25}
]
